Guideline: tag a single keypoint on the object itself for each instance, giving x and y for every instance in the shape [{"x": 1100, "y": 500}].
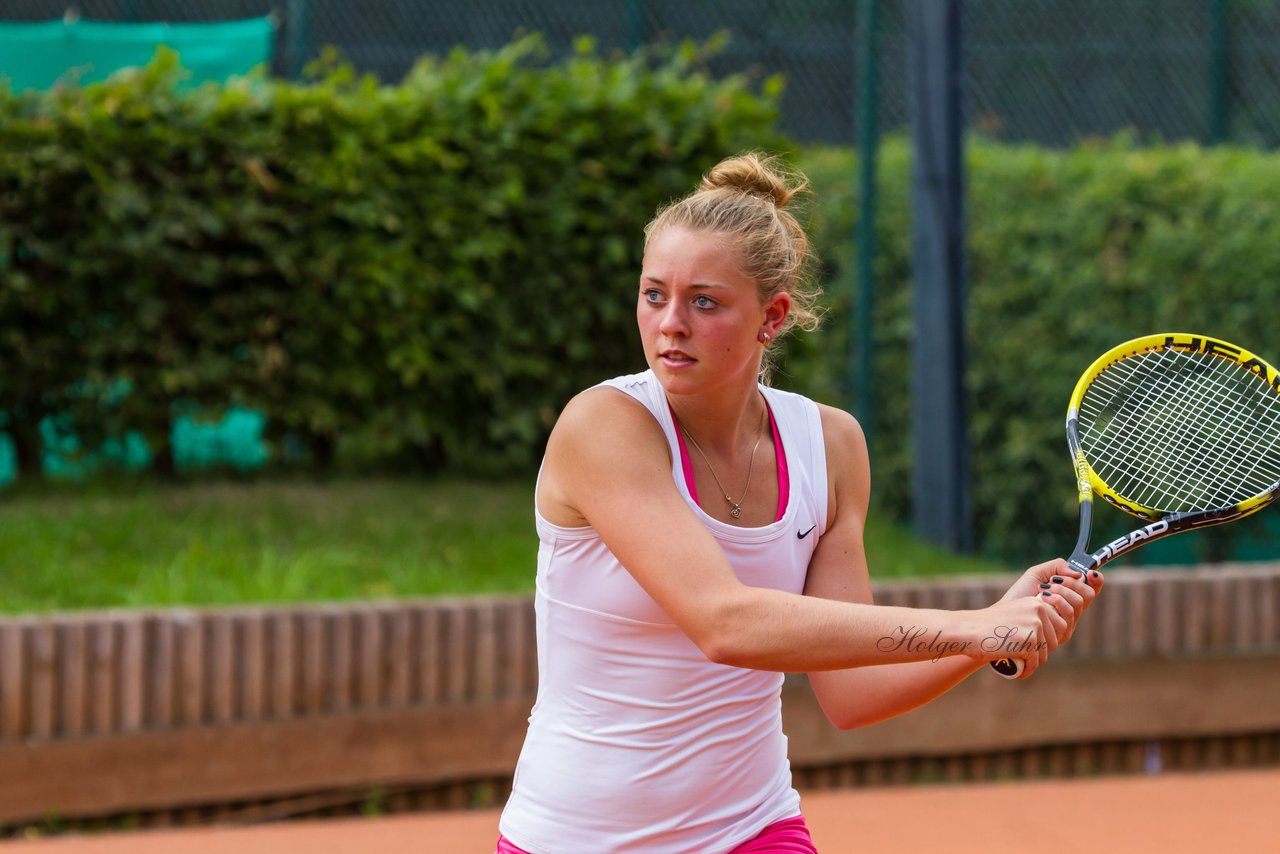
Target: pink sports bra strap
[
  {"x": 784, "y": 481},
  {"x": 685, "y": 463}
]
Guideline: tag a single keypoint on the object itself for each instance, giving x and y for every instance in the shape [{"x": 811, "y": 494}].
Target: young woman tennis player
[{"x": 701, "y": 534}]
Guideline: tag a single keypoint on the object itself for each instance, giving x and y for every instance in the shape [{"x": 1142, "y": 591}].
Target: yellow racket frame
[{"x": 1087, "y": 480}]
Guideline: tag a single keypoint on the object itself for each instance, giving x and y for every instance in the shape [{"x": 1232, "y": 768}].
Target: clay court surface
[{"x": 1212, "y": 811}]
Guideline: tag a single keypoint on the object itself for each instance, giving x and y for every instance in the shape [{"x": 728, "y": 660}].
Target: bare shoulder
[
  {"x": 848, "y": 463},
  {"x": 605, "y": 419},
  {"x": 843, "y": 438},
  {"x": 602, "y": 433}
]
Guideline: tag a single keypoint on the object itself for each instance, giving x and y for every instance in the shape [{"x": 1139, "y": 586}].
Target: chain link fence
[
  {"x": 1046, "y": 71},
  {"x": 1050, "y": 71}
]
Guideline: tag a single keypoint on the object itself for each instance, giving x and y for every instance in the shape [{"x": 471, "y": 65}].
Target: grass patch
[
  {"x": 134, "y": 544},
  {"x": 142, "y": 544}
]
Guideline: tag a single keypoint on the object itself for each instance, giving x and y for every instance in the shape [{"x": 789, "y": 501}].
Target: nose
[{"x": 674, "y": 322}]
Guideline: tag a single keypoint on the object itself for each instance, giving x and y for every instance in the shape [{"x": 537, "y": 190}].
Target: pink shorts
[{"x": 789, "y": 836}]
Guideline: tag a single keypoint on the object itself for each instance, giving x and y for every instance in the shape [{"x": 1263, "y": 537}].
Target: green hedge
[
  {"x": 1070, "y": 253},
  {"x": 422, "y": 272}
]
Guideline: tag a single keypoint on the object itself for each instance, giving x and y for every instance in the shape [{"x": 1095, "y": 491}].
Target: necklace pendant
[{"x": 735, "y": 512}]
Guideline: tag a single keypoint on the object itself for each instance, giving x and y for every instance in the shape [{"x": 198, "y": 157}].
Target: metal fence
[
  {"x": 1051, "y": 71},
  {"x": 1048, "y": 71}
]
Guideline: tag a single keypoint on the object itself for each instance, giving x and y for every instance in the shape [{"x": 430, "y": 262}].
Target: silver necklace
[{"x": 735, "y": 507}]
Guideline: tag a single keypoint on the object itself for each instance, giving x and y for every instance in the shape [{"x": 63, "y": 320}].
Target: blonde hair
[{"x": 744, "y": 200}]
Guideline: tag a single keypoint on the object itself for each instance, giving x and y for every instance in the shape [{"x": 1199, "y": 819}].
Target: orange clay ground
[{"x": 1211, "y": 811}]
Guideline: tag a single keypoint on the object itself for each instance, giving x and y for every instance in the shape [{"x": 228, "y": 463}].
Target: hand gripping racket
[{"x": 1177, "y": 429}]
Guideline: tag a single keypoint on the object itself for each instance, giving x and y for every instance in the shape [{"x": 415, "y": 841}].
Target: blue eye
[
  {"x": 704, "y": 301},
  {"x": 652, "y": 295}
]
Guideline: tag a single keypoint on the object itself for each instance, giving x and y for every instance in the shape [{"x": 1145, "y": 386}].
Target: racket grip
[{"x": 1009, "y": 668}]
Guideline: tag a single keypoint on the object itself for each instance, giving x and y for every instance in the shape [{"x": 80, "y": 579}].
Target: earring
[{"x": 764, "y": 337}]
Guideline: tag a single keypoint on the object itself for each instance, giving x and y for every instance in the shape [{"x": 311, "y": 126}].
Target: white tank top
[{"x": 636, "y": 742}]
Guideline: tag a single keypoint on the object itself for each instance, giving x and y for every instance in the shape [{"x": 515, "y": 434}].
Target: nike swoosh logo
[{"x": 805, "y": 534}]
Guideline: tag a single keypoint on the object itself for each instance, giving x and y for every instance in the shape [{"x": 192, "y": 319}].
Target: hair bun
[{"x": 754, "y": 174}]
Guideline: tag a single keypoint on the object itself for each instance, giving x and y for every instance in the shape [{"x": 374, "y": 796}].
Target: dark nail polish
[
  {"x": 1094, "y": 573},
  {"x": 1044, "y": 587},
  {"x": 1047, "y": 595},
  {"x": 1057, "y": 579}
]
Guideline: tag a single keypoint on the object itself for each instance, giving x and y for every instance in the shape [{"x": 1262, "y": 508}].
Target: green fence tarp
[{"x": 38, "y": 55}]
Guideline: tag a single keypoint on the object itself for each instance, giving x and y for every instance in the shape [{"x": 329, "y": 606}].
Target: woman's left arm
[{"x": 838, "y": 570}]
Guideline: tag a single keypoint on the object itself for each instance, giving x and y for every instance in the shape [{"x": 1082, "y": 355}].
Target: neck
[{"x": 723, "y": 424}]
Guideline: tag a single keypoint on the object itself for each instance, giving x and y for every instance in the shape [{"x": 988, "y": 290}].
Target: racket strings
[
  {"x": 1224, "y": 454},
  {"x": 1161, "y": 477},
  {"x": 1177, "y": 431},
  {"x": 1229, "y": 458},
  {"x": 1152, "y": 466}
]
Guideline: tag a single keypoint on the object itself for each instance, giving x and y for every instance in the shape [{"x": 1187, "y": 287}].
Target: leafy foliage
[
  {"x": 1070, "y": 253},
  {"x": 422, "y": 272}
]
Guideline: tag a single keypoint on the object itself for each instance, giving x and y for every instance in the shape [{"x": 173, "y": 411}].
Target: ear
[{"x": 776, "y": 310}]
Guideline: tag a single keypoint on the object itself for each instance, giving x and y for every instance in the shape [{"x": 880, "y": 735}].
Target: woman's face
[{"x": 699, "y": 315}]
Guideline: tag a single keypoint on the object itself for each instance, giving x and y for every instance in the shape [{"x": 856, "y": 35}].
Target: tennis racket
[{"x": 1180, "y": 430}]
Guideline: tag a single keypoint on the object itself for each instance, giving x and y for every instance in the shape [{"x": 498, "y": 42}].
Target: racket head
[
  {"x": 1178, "y": 429},
  {"x": 1178, "y": 424}
]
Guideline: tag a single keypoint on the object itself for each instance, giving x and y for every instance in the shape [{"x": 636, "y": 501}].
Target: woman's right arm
[{"x": 608, "y": 466}]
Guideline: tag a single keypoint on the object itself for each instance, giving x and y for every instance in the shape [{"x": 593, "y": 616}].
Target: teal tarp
[
  {"x": 235, "y": 441},
  {"x": 41, "y": 54}
]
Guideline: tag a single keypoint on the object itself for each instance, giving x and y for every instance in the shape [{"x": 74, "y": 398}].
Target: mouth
[{"x": 676, "y": 358}]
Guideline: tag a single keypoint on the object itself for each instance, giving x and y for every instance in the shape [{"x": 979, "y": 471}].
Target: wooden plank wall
[{"x": 252, "y": 713}]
